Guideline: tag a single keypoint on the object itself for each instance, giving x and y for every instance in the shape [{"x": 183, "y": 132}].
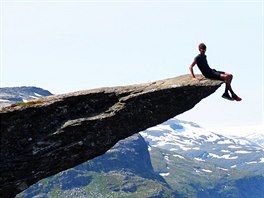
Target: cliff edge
[{"x": 46, "y": 136}]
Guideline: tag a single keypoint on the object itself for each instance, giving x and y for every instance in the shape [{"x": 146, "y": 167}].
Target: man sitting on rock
[{"x": 201, "y": 62}]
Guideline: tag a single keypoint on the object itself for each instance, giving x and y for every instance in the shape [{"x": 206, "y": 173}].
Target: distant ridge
[{"x": 9, "y": 95}]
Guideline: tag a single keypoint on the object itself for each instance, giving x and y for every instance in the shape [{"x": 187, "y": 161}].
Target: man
[{"x": 201, "y": 62}]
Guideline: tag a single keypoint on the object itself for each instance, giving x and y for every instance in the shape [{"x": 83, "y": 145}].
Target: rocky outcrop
[{"x": 49, "y": 135}]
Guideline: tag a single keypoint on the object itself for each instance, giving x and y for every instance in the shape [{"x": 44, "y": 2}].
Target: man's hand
[{"x": 197, "y": 79}]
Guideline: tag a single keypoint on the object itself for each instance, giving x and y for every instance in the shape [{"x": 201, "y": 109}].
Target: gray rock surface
[{"x": 43, "y": 137}]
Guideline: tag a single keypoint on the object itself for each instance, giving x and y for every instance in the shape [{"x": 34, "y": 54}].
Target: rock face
[{"x": 49, "y": 135}]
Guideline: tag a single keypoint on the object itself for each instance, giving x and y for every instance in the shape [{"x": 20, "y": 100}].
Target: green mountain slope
[{"x": 131, "y": 169}]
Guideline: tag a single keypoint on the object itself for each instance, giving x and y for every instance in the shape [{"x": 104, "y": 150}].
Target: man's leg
[{"x": 228, "y": 79}]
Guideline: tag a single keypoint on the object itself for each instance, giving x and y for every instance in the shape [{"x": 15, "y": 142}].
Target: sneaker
[
  {"x": 227, "y": 96},
  {"x": 235, "y": 97}
]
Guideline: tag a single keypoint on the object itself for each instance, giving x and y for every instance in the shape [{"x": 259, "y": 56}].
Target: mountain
[
  {"x": 10, "y": 95},
  {"x": 134, "y": 169},
  {"x": 194, "y": 142},
  {"x": 254, "y": 139},
  {"x": 257, "y": 138},
  {"x": 124, "y": 171},
  {"x": 196, "y": 179},
  {"x": 254, "y": 135},
  {"x": 205, "y": 163},
  {"x": 158, "y": 168}
]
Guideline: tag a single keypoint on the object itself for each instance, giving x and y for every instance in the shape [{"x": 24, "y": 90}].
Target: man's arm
[{"x": 191, "y": 69}]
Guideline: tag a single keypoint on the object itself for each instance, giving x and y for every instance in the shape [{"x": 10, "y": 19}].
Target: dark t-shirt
[{"x": 203, "y": 65}]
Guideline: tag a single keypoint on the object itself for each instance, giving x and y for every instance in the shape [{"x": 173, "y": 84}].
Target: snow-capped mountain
[
  {"x": 131, "y": 169},
  {"x": 254, "y": 134},
  {"x": 256, "y": 138},
  {"x": 194, "y": 142},
  {"x": 9, "y": 95}
]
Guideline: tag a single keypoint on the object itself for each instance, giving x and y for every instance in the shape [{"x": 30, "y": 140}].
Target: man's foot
[
  {"x": 235, "y": 97},
  {"x": 227, "y": 96}
]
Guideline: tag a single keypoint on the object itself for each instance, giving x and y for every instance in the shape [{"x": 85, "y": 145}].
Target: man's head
[{"x": 202, "y": 48}]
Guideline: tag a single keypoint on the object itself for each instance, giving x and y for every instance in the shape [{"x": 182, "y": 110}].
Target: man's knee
[{"x": 229, "y": 76}]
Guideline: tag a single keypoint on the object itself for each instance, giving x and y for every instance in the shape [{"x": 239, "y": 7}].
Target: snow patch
[
  {"x": 173, "y": 149},
  {"x": 34, "y": 97},
  {"x": 207, "y": 171},
  {"x": 2, "y": 100},
  {"x": 199, "y": 159},
  {"x": 225, "y": 151},
  {"x": 254, "y": 162},
  {"x": 149, "y": 148},
  {"x": 234, "y": 147},
  {"x": 227, "y": 156},
  {"x": 242, "y": 152},
  {"x": 166, "y": 158},
  {"x": 228, "y": 141},
  {"x": 179, "y": 156},
  {"x": 222, "y": 168},
  {"x": 38, "y": 95},
  {"x": 164, "y": 174}
]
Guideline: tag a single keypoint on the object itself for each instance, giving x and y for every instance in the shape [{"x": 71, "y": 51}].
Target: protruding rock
[{"x": 43, "y": 137}]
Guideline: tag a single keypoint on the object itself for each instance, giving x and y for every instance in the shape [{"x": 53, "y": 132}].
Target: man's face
[{"x": 202, "y": 50}]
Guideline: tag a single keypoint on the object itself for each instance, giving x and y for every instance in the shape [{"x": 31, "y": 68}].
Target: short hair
[{"x": 202, "y": 46}]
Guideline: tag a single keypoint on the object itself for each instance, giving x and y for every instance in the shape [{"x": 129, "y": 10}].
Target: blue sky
[{"x": 66, "y": 46}]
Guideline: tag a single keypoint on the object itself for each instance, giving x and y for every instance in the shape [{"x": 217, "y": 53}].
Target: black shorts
[{"x": 214, "y": 74}]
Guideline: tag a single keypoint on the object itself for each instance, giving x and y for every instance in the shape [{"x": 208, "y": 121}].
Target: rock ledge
[{"x": 49, "y": 135}]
